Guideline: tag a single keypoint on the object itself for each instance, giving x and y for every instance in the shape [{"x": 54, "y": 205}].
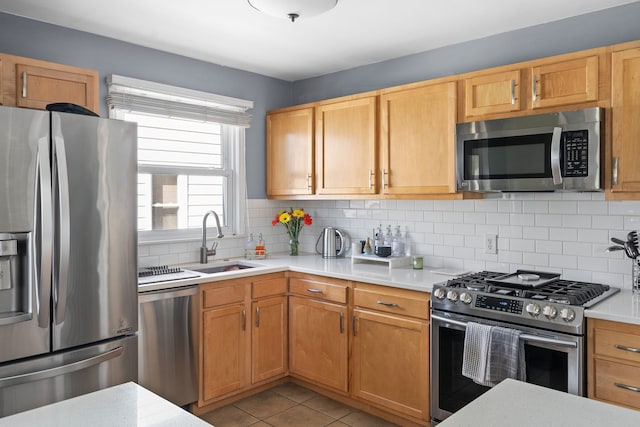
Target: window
[{"x": 190, "y": 156}]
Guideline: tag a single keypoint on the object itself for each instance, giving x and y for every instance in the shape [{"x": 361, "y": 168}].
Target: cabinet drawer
[
  {"x": 223, "y": 294},
  {"x": 396, "y": 301},
  {"x": 615, "y": 382},
  {"x": 624, "y": 346},
  {"x": 274, "y": 285},
  {"x": 318, "y": 290}
]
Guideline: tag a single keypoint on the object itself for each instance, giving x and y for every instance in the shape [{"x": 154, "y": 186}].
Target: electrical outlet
[{"x": 490, "y": 244}]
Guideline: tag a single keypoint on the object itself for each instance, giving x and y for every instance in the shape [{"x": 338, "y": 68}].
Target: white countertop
[
  {"x": 124, "y": 405},
  {"x": 515, "y": 403},
  {"x": 621, "y": 307}
]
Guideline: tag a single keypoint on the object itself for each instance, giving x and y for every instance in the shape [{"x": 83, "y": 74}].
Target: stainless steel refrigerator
[{"x": 68, "y": 256}]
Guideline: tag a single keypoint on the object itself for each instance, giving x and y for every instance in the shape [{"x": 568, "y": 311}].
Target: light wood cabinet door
[
  {"x": 493, "y": 93},
  {"x": 38, "y": 86},
  {"x": 417, "y": 140},
  {"x": 269, "y": 339},
  {"x": 318, "y": 342},
  {"x": 290, "y": 152},
  {"x": 225, "y": 354},
  {"x": 391, "y": 362},
  {"x": 2, "y": 82},
  {"x": 625, "y": 114},
  {"x": 346, "y": 147},
  {"x": 562, "y": 83}
]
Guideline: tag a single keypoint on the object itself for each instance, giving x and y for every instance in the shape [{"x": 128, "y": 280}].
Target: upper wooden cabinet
[
  {"x": 32, "y": 83},
  {"x": 346, "y": 147},
  {"x": 417, "y": 140},
  {"x": 552, "y": 83},
  {"x": 625, "y": 114},
  {"x": 290, "y": 152},
  {"x": 493, "y": 93},
  {"x": 564, "y": 83}
]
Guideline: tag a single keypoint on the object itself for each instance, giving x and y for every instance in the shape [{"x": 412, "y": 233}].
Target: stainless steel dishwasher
[{"x": 168, "y": 343}]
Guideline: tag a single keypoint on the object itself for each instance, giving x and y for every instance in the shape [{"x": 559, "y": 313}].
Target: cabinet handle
[
  {"x": 371, "y": 177},
  {"x": 384, "y": 172},
  {"x": 309, "y": 182},
  {"x": 534, "y": 88},
  {"x": 244, "y": 320},
  {"x": 341, "y": 322},
  {"x": 24, "y": 84},
  {"x": 628, "y": 387},
  {"x": 315, "y": 291},
  {"x": 387, "y": 304},
  {"x": 615, "y": 171},
  {"x": 624, "y": 347},
  {"x": 257, "y": 317},
  {"x": 353, "y": 325},
  {"x": 513, "y": 92}
]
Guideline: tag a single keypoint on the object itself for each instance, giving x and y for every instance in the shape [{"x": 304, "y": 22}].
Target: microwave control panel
[{"x": 575, "y": 155}]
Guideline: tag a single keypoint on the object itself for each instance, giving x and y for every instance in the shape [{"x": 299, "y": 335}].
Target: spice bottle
[{"x": 260, "y": 249}]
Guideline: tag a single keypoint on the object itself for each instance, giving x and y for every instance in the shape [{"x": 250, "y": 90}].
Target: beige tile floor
[{"x": 290, "y": 405}]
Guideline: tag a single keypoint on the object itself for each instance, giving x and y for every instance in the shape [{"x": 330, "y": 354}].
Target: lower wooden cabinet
[
  {"x": 318, "y": 342},
  {"x": 614, "y": 362},
  {"x": 390, "y": 357},
  {"x": 243, "y": 335}
]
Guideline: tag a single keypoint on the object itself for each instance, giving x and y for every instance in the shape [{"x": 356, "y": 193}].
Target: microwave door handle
[
  {"x": 525, "y": 337},
  {"x": 556, "y": 173}
]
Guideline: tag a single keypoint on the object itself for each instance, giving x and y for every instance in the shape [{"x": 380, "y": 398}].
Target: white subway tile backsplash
[{"x": 563, "y": 232}]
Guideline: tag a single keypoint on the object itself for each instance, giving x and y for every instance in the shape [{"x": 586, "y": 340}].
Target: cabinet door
[
  {"x": 562, "y": 83},
  {"x": 39, "y": 86},
  {"x": 290, "y": 153},
  {"x": 225, "y": 357},
  {"x": 346, "y": 147},
  {"x": 626, "y": 124},
  {"x": 269, "y": 339},
  {"x": 318, "y": 342},
  {"x": 492, "y": 93},
  {"x": 2, "y": 83},
  {"x": 391, "y": 362},
  {"x": 417, "y": 140}
]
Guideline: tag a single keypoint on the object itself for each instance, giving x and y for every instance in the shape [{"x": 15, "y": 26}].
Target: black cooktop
[{"x": 561, "y": 291}]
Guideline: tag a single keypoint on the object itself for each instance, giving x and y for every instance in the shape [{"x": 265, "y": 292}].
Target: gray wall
[
  {"x": 611, "y": 26},
  {"x": 34, "y": 39},
  {"x": 24, "y": 37}
]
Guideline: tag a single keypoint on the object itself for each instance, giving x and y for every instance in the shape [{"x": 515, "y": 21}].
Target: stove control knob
[
  {"x": 452, "y": 295},
  {"x": 466, "y": 297},
  {"x": 533, "y": 309},
  {"x": 567, "y": 314},
  {"x": 550, "y": 311},
  {"x": 439, "y": 293}
]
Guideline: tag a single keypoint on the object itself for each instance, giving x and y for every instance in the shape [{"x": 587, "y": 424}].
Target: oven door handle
[{"x": 526, "y": 337}]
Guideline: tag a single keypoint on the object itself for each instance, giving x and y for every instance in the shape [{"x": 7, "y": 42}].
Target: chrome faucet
[{"x": 204, "y": 251}]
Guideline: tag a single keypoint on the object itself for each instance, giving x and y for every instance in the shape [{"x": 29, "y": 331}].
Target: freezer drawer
[
  {"x": 44, "y": 380},
  {"x": 167, "y": 349}
]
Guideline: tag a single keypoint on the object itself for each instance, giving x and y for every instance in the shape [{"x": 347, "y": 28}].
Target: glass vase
[{"x": 293, "y": 247}]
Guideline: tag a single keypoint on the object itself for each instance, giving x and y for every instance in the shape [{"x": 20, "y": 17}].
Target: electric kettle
[{"x": 334, "y": 244}]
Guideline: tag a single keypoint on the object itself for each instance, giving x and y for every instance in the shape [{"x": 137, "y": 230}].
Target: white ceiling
[{"x": 356, "y": 32}]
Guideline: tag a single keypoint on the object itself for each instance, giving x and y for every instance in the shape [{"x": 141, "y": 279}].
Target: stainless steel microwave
[{"x": 545, "y": 152}]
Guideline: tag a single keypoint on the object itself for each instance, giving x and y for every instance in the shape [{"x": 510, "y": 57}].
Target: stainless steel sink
[{"x": 221, "y": 268}]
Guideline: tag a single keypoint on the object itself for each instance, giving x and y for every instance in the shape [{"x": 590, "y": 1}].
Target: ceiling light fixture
[{"x": 293, "y": 9}]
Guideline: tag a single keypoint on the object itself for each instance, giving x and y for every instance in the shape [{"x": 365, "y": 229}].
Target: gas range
[{"x": 535, "y": 299}]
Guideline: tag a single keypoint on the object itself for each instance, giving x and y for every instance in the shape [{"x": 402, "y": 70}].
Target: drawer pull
[
  {"x": 628, "y": 387},
  {"x": 315, "y": 291},
  {"x": 387, "y": 304},
  {"x": 631, "y": 349},
  {"x": 24, "y": 84}
]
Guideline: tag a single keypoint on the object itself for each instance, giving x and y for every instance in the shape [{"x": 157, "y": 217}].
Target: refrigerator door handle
[
  {"x": 44, "y": 243},
  {"x": 64, "y": 228},
  {"x": 61, "y": 370}
]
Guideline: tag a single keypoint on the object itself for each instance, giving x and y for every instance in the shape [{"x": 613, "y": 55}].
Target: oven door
[{"x": 553, "y": 360}]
